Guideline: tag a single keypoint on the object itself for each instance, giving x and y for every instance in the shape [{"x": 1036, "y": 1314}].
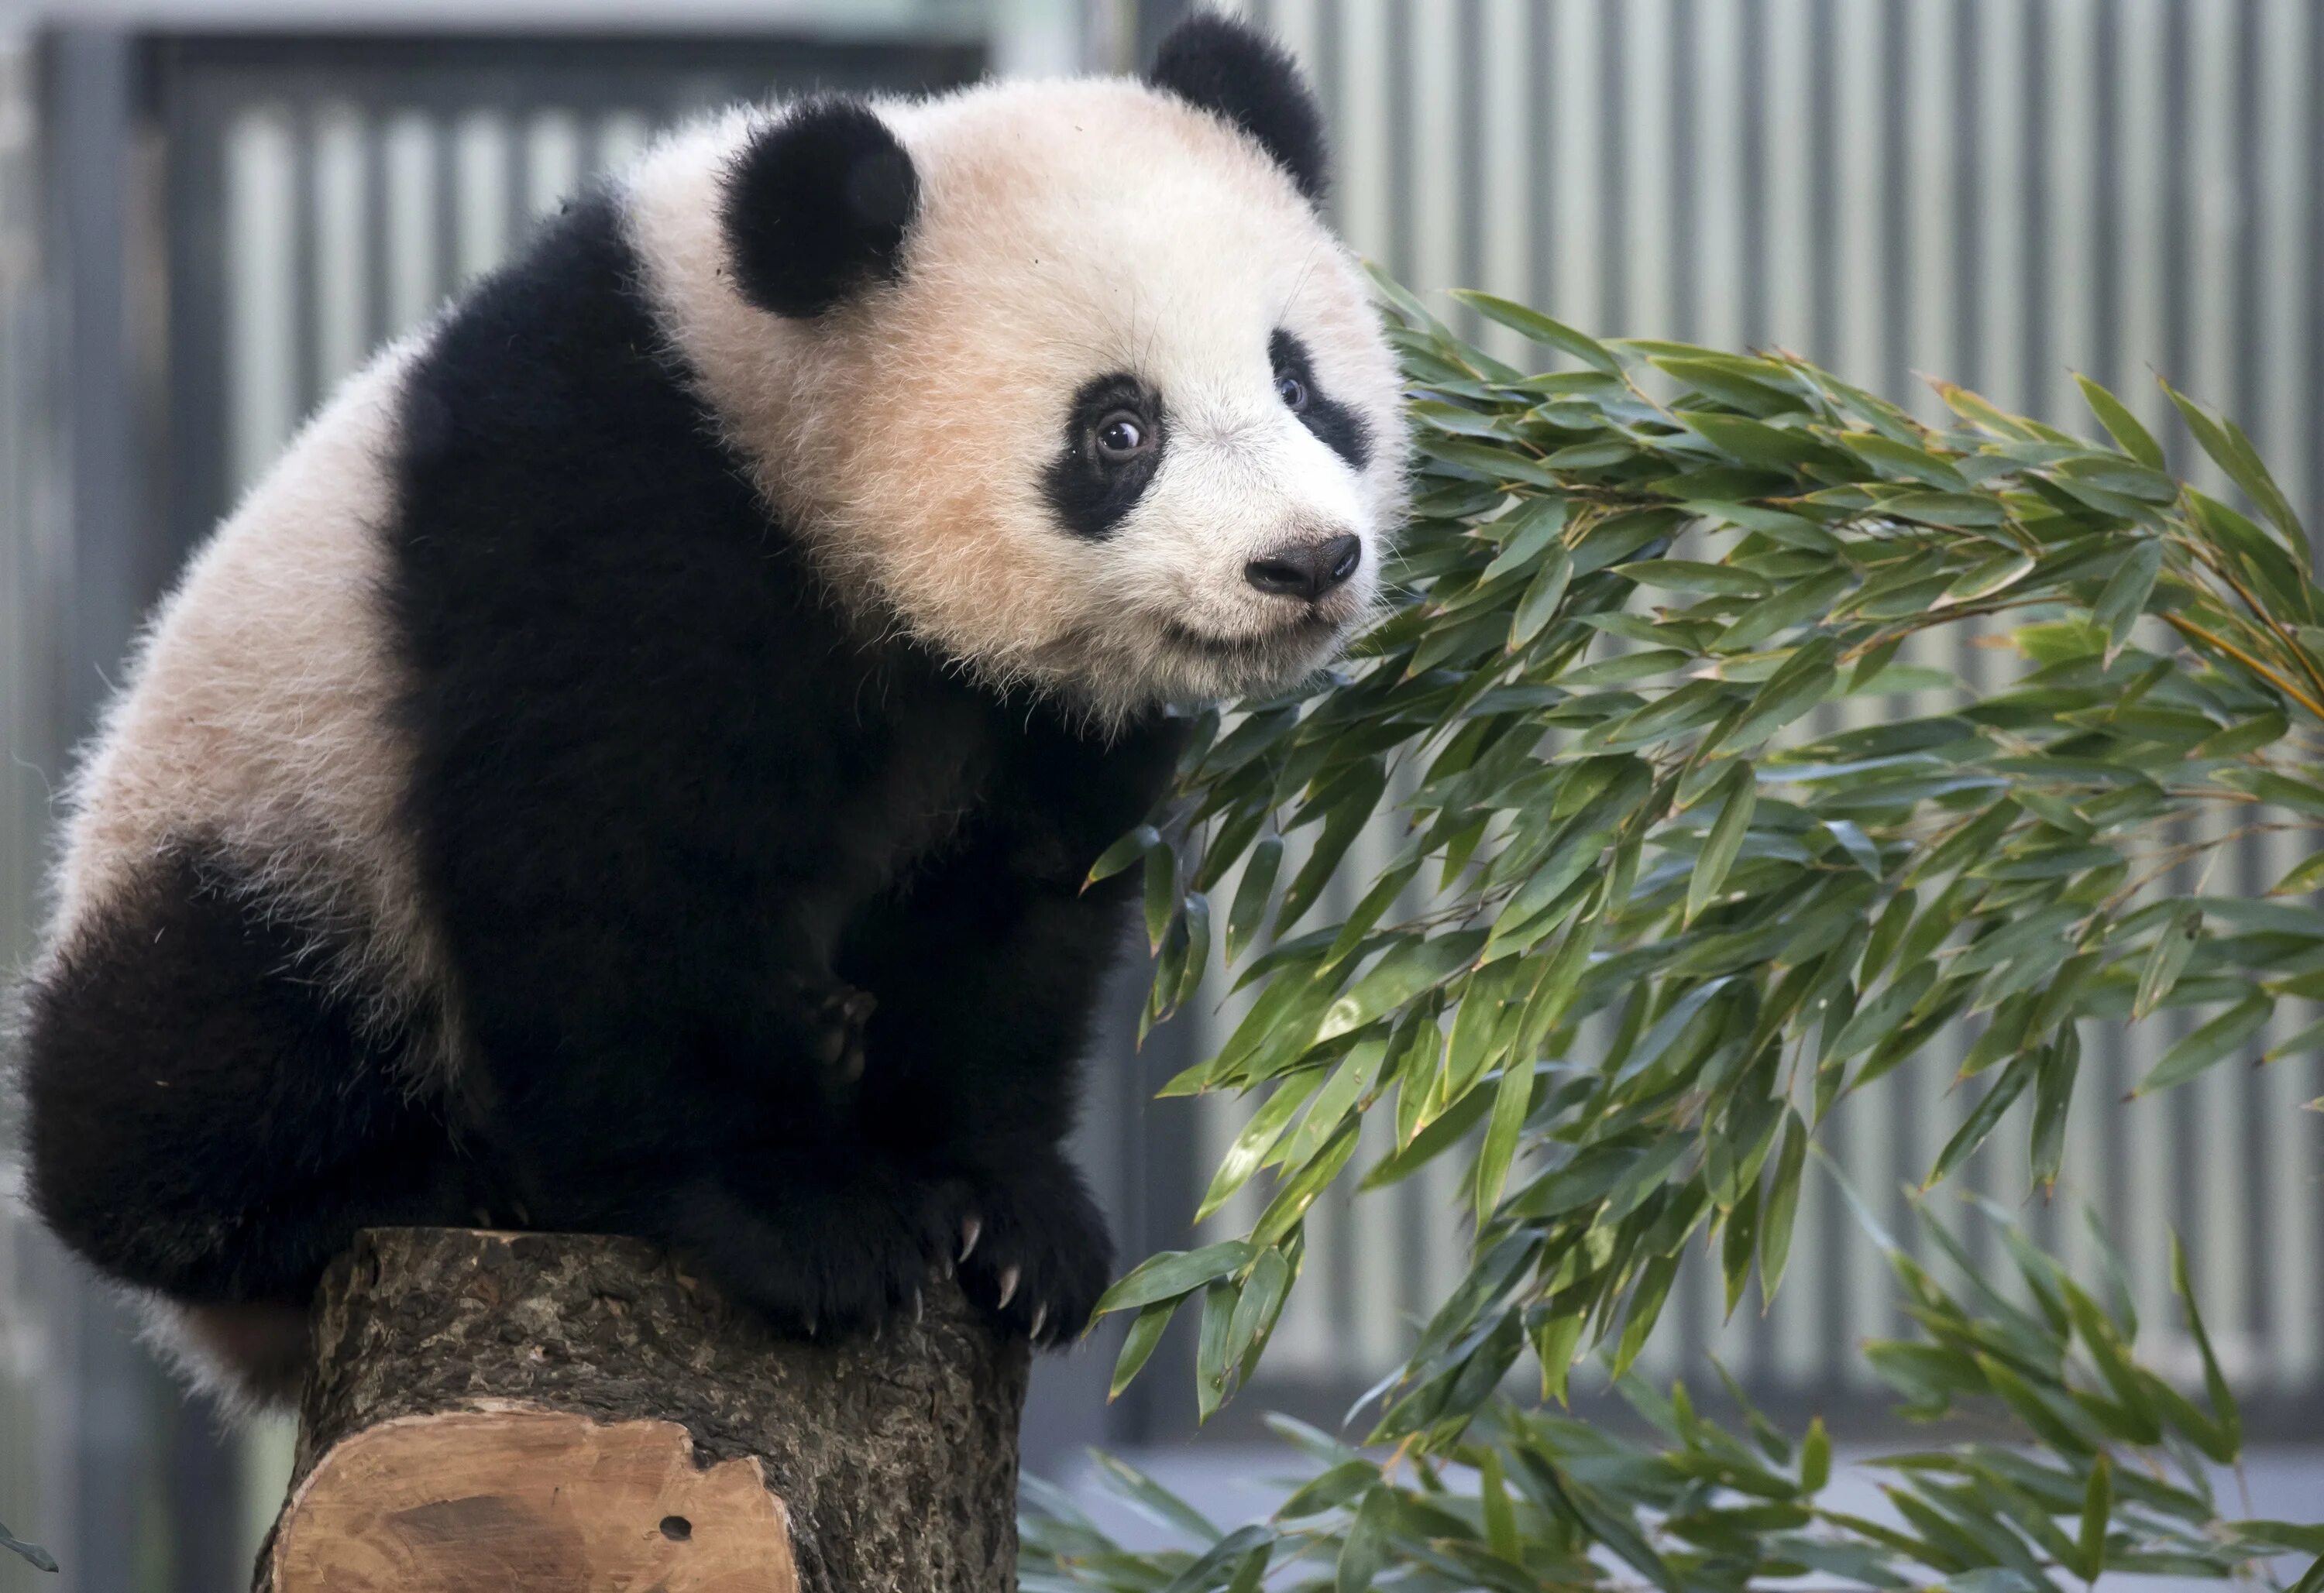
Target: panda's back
[{"x": 255, "y": 737}]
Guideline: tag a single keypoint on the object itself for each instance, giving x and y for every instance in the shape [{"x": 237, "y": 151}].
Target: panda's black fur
[
  {"x": 697, "y": 841},
  {"x": 818, "y": 206},
  {"x": 1219, "y": 64}
]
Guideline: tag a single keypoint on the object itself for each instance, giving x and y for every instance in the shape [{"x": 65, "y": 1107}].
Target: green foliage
[
  {"x": 39, "y": 1558},
  {"x": 1625, "y": 594},
  {"x": 2107, "y": 1473}
]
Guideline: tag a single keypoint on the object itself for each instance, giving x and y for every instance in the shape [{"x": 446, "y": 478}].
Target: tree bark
[{"x": 536, "y": 1411}]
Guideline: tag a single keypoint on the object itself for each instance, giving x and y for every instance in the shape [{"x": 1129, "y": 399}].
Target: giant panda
[{"x": 634, "y": 763}]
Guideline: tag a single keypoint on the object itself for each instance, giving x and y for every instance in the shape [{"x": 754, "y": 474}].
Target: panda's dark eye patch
[
  {"x": 1113, "y": 442},
  {"x": 1336, "y": 425}
]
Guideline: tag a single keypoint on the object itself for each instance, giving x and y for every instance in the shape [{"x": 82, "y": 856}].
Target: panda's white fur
[
  {"x": 260, "y": 711},
  {"x": 1065, "y": 229}
]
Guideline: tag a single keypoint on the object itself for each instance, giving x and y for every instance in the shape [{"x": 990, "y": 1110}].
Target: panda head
[{"x": 1069, "y": 380}]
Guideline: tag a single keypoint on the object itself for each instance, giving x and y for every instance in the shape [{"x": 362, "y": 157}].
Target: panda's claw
[
  {"x": 1008, "y": 1285},
  {"x": 971, "y": 1229},
  {"x": 919, "y": 1306},
  {"x": 1040, "y": 1317}
]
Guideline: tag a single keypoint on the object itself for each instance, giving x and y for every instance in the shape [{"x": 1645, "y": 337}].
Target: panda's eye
[
  {"x": 1121, "y": 437},
  {"x": 1291, "y": 391}
]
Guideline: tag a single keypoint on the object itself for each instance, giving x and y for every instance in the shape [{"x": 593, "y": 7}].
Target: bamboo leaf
[
  {"x": 1157, "y": 1501},
  {"x": 1772, "y": 615},
  {"x": 1739, "y": 1243},
  {"x": 1983, "y": 1117},
  {"x": 2305, "y": 877},
  {"x": 1539, "y": 605},
  {"x": 1161, "y": 894},
  {"x": 1754, "y": 442},
  {"x": 2125, "y": 596},
  {"x": 1124, "y": 853},
  {"x": 2173, "y": 947},
  {"x": 1738, "y": 793},
  {"x": 1328, "y": 1491},
  {"x": 1138, "y": 1347},
  {"x": 2232, "y": 452},
  {"x": 2208, "y": 1046},
  {"x": 2215, "y": 1382},
  {"x": 1783, "y": 1203},
  {"x": 1551, "y": 334},
  {"x": 1816, "y": 1458},
  {"x": 1257, "y": 1308},
  {"x": 1194, "y": 913},
  {"x": 2053, "y": 1094},
  {"x": 1880, "y": 1017},
  {"x": 2305, "y": 1538},
  {"x": 1211, "y": 1359},
  {"x": 1409, "y": 967},
  {"x": 2098, "y": 1513},
  {"x": 1511, "y": 1100},
  {"x": 1499, "y": 1516},
  {"x": 33, "y": 1554},
  {"x": 2121, "y": 424},
  {"x": 1365, "y": 1548},
  {"x": 1254, "y": 895},
  {"x": 1646, "y": 1308},
  {"x": 1538, "y": 525},
  {"x": 1173, "y": 1273},
  {"x": 1661, "y": 917},
  {"x": 1248, "y": 1153},
  {"x": 1802, "y": 682}
]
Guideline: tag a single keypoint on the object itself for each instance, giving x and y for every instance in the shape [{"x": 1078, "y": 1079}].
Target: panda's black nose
[{"x": 1307, "y": 569}]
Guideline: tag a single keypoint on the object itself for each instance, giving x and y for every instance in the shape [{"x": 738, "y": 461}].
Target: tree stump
[{"x": 551, "y": 1411}]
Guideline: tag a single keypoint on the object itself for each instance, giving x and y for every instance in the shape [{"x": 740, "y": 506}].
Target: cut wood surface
[
  {"x": 532, "y": 1413},
  {"x": 516, "y": 1498}
]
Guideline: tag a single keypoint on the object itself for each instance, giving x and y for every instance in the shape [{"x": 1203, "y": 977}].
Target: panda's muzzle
[
  {"x": 1309, "y": 630},
  {"x": 1307, "y": 570}
]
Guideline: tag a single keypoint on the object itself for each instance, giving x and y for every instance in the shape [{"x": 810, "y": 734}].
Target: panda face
[{"x": 1114, "y": 418}]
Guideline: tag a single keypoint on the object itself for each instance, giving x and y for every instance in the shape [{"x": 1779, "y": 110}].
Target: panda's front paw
[
  {"x": 1034, "y": 1251},
  {"x": 819, "y": 1261}
]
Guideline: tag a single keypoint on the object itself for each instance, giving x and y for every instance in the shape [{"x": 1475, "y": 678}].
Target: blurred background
[{"x": 210, "y": 210}]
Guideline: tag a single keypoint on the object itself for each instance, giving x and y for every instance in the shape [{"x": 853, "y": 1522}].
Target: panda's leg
[
  {"x": 746, "y": 1170},
  {"x": 207, "y": 1118},
  {"x": 986, "y": 981}
]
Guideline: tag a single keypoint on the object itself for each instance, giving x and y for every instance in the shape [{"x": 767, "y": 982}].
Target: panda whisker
[{"x": 1299, "y": 283}]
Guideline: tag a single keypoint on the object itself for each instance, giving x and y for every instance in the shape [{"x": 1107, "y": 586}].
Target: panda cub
[{"x": 633, "y": 765}]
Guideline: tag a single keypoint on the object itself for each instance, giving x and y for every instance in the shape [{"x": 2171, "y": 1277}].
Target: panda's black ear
[
  {"x": 817, "y": 206},
  {"x": 1223, "y": 66}
]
